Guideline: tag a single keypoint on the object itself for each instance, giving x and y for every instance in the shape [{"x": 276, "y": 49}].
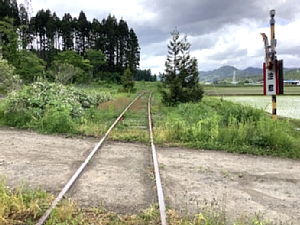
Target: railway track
[{"x": 80, "y": 170}]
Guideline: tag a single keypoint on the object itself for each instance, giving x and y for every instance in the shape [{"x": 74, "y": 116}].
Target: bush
[
  {"x": 40, "y": 103},
  {"x": 57, "y": 121}
]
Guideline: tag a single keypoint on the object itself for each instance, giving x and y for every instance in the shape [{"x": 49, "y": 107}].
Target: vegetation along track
[{"x": 76, "y": 175}]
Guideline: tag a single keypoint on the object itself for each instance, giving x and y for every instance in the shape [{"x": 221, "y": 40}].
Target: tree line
[{"x": 104, "y": 49}]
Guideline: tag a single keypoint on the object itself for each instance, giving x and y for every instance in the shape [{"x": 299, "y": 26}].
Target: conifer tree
[
  {"x": 127, "y": 81},
  {"x": 181, "y": 78}
]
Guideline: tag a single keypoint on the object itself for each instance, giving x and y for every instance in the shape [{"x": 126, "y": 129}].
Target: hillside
[{"x": 225, "y": 73}]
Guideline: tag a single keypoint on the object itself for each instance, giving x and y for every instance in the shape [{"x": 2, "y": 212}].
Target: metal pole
[{"x": 273, "y": 58}]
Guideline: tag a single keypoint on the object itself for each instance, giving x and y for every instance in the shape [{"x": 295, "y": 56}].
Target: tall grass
[{"x": 217, "y": 124}]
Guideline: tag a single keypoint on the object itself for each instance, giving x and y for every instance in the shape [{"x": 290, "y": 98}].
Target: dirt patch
[
  {"x": 119, "y": 176},
  {"x": 119, "y": 103},
  {"x": 139, "y": 105},
  {"x": 236, "y": 184}
]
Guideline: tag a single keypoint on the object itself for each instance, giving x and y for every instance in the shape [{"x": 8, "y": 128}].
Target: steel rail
[
  {"x": 160, "y": 194},
  {"x": 43, "y": 219}
]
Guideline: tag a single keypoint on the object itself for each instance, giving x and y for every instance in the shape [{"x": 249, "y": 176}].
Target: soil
[{"x": 120, "y": 176}]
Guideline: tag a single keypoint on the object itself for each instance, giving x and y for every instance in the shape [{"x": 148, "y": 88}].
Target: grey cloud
[
  {"x": 230, "y": 53},
  {"x": 289, "y": 51},
  {"x": 149, "y": 34},
  {"x": 205, "y": 16},
  {"x": 202, "y": 42}
]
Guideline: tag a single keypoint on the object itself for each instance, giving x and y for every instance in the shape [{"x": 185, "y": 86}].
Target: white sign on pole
[{"x": 270, "y": 82}]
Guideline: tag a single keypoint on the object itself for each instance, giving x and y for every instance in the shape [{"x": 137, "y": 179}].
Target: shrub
[
  {"x": 36, "y": 103},
  {"x": 57, "y": 120}
]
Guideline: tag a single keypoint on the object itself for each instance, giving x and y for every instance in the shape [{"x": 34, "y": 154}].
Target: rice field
[
  {"x": 287, "y": 106},
  {"x": 233, "y": 90}
]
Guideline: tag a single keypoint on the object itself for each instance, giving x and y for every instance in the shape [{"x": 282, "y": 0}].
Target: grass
[
  {"x": 134, "y": 126},
  {"x": 222, "y": 125},
  {"x": 24, "y": 206}
]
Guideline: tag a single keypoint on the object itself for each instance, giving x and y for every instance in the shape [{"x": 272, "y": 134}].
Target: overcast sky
[{"x": 221, "y": 32}]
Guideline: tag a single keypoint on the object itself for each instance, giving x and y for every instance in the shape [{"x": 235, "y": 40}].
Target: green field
[
  {"x": 287, "y": 106},
  {"x": 245, "y": 90}
]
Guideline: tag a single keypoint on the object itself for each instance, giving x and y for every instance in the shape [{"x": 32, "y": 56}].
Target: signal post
[{"x": 272, "y": 68}]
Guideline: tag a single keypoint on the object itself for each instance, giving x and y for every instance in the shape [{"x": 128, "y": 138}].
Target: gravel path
[{"x": 120, "y": 176}]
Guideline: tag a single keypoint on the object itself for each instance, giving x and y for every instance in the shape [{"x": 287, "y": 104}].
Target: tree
[
  {"x": 144, "y": 75},
  {"x": 24, "y": 27},
  {"x": 122, "y": 38},
  {"x": 30, "y": 67},
  {"x": 127, "y": 81},
  {"x": 97, "y": 61},
  {"x": 110, "y": 48},
  {"x": 83, "y": 29},
  {"x": 46, "y": 35},
  {"x": 180, "y": 82},
  {"x": 72, "y": 58},
  {"x": 67, "y": 32},
  {"x": 8, "y": 79},
  {"x": 133, "y": 52},
  {"x": 9, "y": 41},
  {"x": 64, "y": 73}
]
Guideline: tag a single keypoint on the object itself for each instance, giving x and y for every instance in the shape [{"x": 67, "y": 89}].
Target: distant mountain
[
  {"x": 226, "y": 73},
  {"x": 253, "y": 70}
]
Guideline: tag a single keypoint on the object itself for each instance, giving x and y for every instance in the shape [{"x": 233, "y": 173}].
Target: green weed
[{"x": 223, "y": 125}]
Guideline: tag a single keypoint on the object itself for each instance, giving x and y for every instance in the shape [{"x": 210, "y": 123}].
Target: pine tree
[
  {"x": 181, "y": 77},
  {"x": 83, "y": 28},
  {"x": 122, "y": 38},
  {"x": 67, "y": 32},
  {"x": 127, "y": 81},
  {"x": 132, "y": 52},
  {"x": 24, "y": 27}
]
